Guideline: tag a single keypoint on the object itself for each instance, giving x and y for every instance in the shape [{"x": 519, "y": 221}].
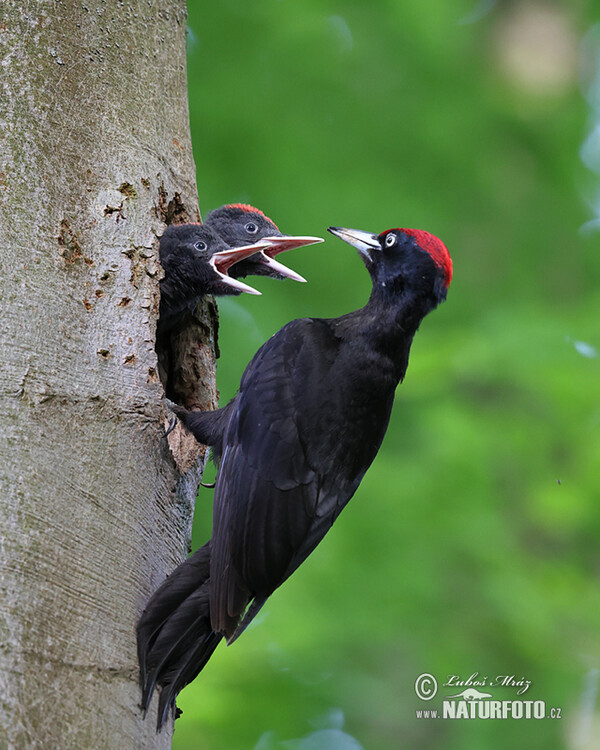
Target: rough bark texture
[{"x": 95, "y": 156}]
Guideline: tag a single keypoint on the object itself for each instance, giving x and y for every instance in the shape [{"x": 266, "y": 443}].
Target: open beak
[
  {"x": 279, "y": 244},
  {"x": 285, "y": 242},
  {"x": 279, "y": 268},
  {"x": 224, "y": 259},
  {"x": 364, "y": 242}
]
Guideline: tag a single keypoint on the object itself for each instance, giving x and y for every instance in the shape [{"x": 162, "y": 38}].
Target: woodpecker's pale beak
[
  {"x": 364, "y": 242},
  {"x": 224, "y": 259}
]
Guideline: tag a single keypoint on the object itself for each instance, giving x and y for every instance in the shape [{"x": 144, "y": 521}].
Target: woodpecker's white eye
[
  {"x": 200, "y": 245},
  {"x": 390, "y": 240},
  {"x": 251, "y": 227}
]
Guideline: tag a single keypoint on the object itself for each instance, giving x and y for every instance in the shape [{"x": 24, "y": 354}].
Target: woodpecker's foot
[
  {"x": 172, "y": 406},
  {"x": 175, "y": 411},
  {"x": 171, "y": 427}
]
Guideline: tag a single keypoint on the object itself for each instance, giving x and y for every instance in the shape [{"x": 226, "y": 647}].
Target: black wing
[{"x": 291, "y": 461}]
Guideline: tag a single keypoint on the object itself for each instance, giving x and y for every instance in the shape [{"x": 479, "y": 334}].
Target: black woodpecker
[{"x": 310, "y": 415}]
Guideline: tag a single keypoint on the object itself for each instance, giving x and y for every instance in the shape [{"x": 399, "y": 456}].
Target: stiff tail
[
  {"x": 184, "y": 672},
  {"x": 182, "y": 582},
  {"x": 174, "y": 636}
]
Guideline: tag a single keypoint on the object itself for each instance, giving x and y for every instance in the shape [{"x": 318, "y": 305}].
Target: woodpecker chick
[
  {"x": 197, "y": 261},
  {"x": 237, "y": 223}
]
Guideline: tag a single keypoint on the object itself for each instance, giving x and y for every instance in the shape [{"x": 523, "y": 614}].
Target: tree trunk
[{"x": 95, "y": 157}]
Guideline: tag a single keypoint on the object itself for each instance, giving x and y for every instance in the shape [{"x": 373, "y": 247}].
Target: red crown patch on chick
[{"x": 251, "y": 209}]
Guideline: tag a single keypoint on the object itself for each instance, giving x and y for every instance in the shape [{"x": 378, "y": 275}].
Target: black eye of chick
[
  {"x": 390, "y": 240},
  {"x": 200, "y": 245},
  {"x": 251, "y": 227}
]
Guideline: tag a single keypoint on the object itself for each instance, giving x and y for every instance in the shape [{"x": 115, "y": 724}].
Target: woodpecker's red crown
[{"x": 431, "y": 245}]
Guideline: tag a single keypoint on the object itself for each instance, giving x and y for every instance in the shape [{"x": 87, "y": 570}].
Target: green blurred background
[{"x": 472, "y": 543}]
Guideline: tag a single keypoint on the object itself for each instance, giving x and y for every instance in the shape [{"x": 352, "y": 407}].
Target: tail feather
[
  {"x": 182, "y": 582},
  {"x": 175, "y": 639},
  {"x": 185, "y": 632},
  {"x": 189, "y": 668}
]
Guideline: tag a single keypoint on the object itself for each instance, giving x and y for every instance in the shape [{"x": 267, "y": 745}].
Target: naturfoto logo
[{"x": 473, "y": 702}]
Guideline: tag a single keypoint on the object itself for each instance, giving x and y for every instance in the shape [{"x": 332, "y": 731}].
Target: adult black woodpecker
[
  {"x": 239, "y": 222},
  {"x": 196, "y": 261},
  {"x": 311, "y": 412}
]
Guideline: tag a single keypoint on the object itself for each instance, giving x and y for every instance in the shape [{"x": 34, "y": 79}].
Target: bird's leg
[
  {"x": 171, "y": 427},
  {"x": 208, "y": 485},
  {"x": 173, "y": 407}
]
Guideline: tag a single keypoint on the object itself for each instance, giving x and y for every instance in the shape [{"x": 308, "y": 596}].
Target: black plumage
[
  {"x": 312, "y": 409},
  {"x": 174, "y": 635},
  {"x": 196, "y": 261}
]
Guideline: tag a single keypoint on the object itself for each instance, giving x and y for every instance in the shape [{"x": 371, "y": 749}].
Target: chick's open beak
[
  {"x": 224, "y": 259},
  {"x": 279, "y": 244}
]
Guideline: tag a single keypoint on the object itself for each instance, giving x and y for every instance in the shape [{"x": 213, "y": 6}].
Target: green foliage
[{"x": 472, "y": 544}]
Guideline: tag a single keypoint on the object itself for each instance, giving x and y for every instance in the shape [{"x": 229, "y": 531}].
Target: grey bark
[{"x": 95, "y": 156}]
